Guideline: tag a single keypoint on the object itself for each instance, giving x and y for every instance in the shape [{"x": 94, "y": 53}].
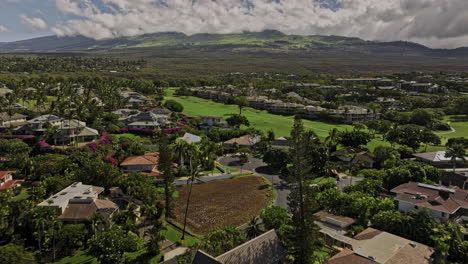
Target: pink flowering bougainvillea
[
  {"x": 43, "y": 146},
  {"x": 93, "y": 146}
]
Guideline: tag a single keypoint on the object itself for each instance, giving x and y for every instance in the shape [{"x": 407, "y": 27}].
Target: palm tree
[
  {"x": 332, "y": 139},
  {"x": 181, "y": 149},
  {"x": 56, "y": 226},
  {"x": 254, "y": 228},
  {"x": 243, "y": 157},
  {"x": 195, "y": 169},
  {"x": 456, "y": 152}
]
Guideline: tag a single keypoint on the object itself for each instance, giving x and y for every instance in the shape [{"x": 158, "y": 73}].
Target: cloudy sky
[{"x": 436, "y": 23}]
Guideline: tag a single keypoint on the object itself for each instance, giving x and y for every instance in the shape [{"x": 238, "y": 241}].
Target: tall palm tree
[
  {"x": 181, "y": 149},
  {"x": 195, "y": 170},
  {"x": 332, "y": 139},
  {"x": 254, "y": 228},
  {"x": 456, "y": 152}
]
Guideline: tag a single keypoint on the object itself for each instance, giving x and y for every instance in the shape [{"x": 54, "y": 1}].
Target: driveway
[{"x": 259, "y": 167}]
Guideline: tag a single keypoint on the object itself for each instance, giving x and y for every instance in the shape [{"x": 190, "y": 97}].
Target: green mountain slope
[{"x": 266, "y": 40}]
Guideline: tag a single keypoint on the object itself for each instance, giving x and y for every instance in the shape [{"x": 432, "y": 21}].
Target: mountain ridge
[{"x": 267, "y": 40}]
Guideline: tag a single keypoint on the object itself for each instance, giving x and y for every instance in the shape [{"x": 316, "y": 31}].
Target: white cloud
[
  {"x": 438, "y": 23},
  {"x": 4, "y": 29},
  {"x": 33, "y": 23}
]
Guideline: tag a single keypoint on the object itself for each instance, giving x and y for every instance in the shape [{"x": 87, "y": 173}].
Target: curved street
[{"x": 259, "y": 167}]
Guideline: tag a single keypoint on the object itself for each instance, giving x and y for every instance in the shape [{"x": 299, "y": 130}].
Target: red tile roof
[
  {"x": 432, "y": 197},
  {"x": 147, "y": 159},
  {"x": 3, "y": 174},
  {"x": 11, "y": 184}
]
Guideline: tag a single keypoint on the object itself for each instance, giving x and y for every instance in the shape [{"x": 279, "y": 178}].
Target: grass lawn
[
  {"x": 457, "y": 122},
  {"x": 127, "y": 135},
  {"x": 22, "y": 195},
  {"x": 173, "y": 235},
  {"x": 80, "y": 258},
  {"x": 324, "y": 180},
  {"x": 259, "y": 119},
  {"x": 222, "y": 203}
]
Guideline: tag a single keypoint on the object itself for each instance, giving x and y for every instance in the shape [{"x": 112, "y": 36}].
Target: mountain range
[{"x": 269, "y": 40}]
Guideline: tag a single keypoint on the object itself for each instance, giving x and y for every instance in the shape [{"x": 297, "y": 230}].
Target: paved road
[{"x": 258, "y": 166}]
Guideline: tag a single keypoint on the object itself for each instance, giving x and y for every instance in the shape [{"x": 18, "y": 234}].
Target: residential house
[
  {"x": 352, "y": 113},
  {"x": 244, "y": 141},
  {"x": 11, "y": 121},
  {"x": 257, "y": 102},
  {"x": 264, "y": 249},
  {"x": 67, "y": 130},
  {"x": 373, "y": 246},
  {"x": 133, "y": 99},
  {"x": 358, "y": 81},
  {"x": 211, "y": 121},
  {"x": 458, "y": 178},
  {"x": 7, "y": 181},
  {"x": 147, "y": 120},
  {"x": 147, "y": 163},
  {"x": 331, "y": 87},
  {"x": 281, "y": 142},
  {"x": 190, "y": 138},
  {"x": 78, "y": 202},
  {"x": 124, "y": 113},
  {"x": 421, "y": 87},
  {"x": 390, "y": 103},
  {"x": 354, "y": 156},
  {"x": 333, "y": 229},
  {"x": 310, "y": 111},
  {"x": 285, "y": 108},
  {"x": 437, "y": 159},
  {"x": 301, "y": 86},
  {"x": 442, "y": 202}
]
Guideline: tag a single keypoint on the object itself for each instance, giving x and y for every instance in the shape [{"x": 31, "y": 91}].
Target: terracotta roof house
[
  {"x": 264, "y": 249},
  {"x": 7, "y": 181},
  {"x": 79, "y": 202},
  {"x": 375, "y": 246},
  {"x": 457, "y": 178},
  {"x": 147, "y": 163},
  {"x": 442, "y": 202},
  {"x": 436, "y": 158},
  {"x": 352, "y": 155},
  {"x": 13, "y": 121},
  {"x": 244, "y": 141}
]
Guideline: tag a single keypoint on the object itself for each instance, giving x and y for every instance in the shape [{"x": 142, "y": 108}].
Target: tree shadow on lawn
[{"x": 458, "y": 118}]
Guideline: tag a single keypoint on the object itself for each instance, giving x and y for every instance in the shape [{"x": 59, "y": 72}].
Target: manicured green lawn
[
  {"x": 324, "y": 180},
  {"x": 459, "y": 123},
  {"x": 259, "y": 119},
  {"x": 127, "y": 135},
  {"x": 173, "y": 235},
  {"x": 22, "y": 195},
  {"x": 80, "y": 258}
]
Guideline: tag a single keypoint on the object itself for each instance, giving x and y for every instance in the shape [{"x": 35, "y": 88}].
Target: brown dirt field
[{"x": 222, "y": 203}]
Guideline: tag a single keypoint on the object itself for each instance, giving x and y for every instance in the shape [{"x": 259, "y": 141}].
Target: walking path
[
  {"x": 216, "y": 176},
  {"x": 452, "y": 130}
]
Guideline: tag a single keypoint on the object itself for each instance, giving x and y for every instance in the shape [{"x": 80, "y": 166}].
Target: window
[
  {"x": 443, "y": 214},
  {"x": 416, "y": 207}
]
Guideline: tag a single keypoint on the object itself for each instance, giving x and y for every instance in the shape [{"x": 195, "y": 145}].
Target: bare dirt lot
[{"x": 221, "y": 203}]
